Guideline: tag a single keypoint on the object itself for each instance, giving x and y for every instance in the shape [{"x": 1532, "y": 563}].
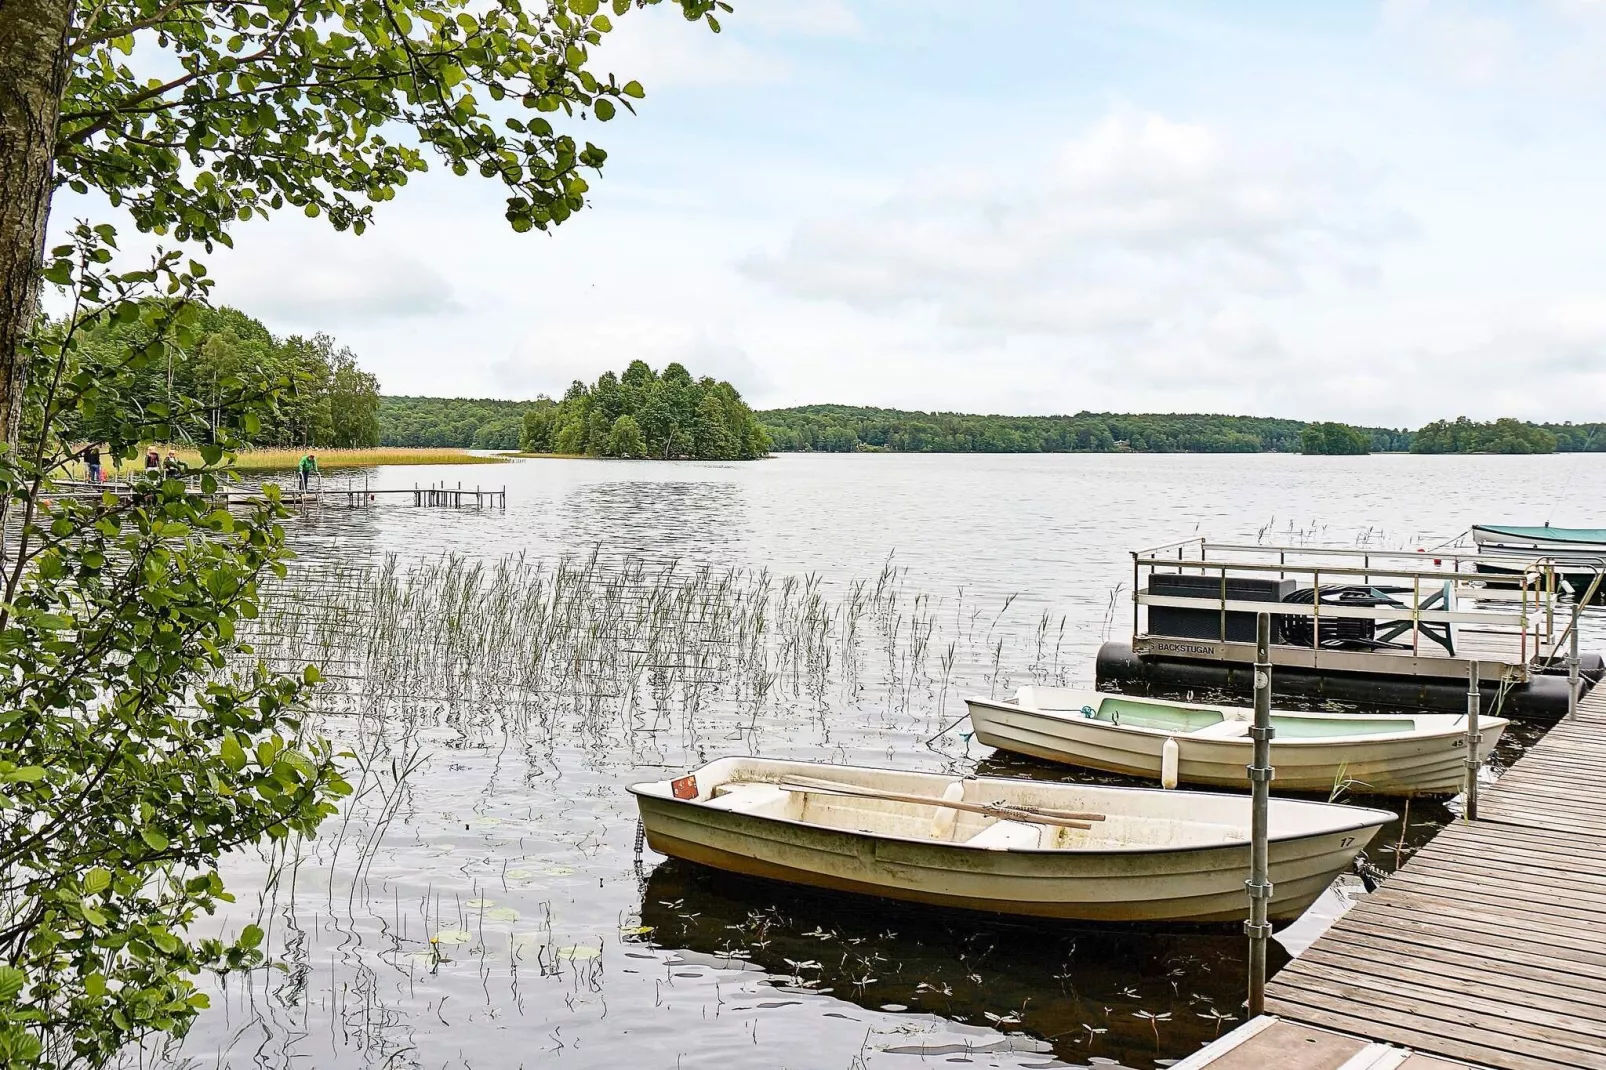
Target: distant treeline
[
  {"x": 493, "y": 424},
  {"x": 463, "y": 423},
  {"x": 845, "y": 428},
  {"x": 1508, "y": 436}
]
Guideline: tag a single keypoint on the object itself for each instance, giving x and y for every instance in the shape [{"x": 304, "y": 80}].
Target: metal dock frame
[{"x": 1505, "y": 642}]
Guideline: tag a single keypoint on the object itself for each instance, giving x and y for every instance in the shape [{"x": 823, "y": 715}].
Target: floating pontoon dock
[
  {"x": 1388, "y": 627},
  {"x": 1488, "y": 947}
]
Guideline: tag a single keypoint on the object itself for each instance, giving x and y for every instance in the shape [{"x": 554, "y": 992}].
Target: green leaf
[
  {"x": 153, "y": 838},
  {"x": 633, "y": 89},
  {"x": 11, "y": 982},
  {"x": 250, "y": 936},
  {"x": 604, "y": 108}
]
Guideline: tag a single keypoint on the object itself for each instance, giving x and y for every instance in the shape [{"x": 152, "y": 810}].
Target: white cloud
[
  {"x": 554, "y": 355},
  {"x": 663, "y": 54},
  {"x": 1139, "y": 225},
  {"x": 659, "y": 48},
  {"x": 811, "y": 18},
  {"x": 1468, "y": 45},
  {"x": 331, "y": 283},
  {"x": 1552, "y": 45}
]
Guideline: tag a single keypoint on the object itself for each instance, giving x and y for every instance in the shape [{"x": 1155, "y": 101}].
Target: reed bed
[
  {"x": 491, "y": 712},
  {"x": 611, "y": 650}
]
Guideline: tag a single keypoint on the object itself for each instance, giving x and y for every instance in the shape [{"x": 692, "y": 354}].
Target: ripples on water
[{"x": 815, "y": 607}]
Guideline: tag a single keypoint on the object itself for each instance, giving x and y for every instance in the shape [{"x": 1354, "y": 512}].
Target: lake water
[{"x": 807, "y": 606}]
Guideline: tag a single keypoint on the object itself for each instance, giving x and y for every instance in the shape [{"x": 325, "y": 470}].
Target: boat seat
[
  {"x": 1008, "y": 836},
  {"x": 1221, "y": 730},
  {"x": 750, "y": 798}
]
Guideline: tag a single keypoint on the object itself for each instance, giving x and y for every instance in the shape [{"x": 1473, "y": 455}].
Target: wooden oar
[{"x": 1036, "y": 816}]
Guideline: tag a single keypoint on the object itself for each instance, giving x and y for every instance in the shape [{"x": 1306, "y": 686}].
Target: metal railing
[{"x": 1513, "y": 595}]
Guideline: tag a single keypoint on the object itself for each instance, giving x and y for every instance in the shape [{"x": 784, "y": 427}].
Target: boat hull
[
  {"x": 1193, "y": 885},
  {"x": 1410, "y": 765}
]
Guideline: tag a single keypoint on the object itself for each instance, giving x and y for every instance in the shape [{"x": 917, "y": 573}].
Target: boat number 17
[{"x": 1346, "y": 841}]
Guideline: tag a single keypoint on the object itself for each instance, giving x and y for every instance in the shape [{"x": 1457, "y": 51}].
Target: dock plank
[{"x": 1489, "y": 945}]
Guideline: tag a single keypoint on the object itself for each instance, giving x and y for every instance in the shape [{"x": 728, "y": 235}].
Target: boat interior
[
  {"x": 991, "y": 813},
  {"x": 943, "y": 824},
  {"x": 1207, "y": 722}
]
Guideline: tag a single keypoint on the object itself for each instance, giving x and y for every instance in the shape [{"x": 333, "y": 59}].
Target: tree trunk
[{"x": 34, "y": 61}]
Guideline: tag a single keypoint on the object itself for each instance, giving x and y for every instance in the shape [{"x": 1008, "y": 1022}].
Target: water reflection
[
  {"x": 1130, "y": 994},
  {"x": 656, "y": 520}
]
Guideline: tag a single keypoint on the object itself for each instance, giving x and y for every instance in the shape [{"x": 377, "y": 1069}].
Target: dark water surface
[{"x": 499, "y": 730}]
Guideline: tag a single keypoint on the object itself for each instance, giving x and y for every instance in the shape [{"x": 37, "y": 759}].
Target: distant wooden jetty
[
  {"x": 351, "y": 496},
  {"x": 440, "y": 495},
  {"x": 1487, "y": 949}
]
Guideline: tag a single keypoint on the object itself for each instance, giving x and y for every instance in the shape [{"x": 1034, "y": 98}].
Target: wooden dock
[
  {"x": 1270, "y": 1042},
  {"x": 350, "y": 495},
  {"x": 458, "y": 497},
  {"x": 1489, "y": 946}
]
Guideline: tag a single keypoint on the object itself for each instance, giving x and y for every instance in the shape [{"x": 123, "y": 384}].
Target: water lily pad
[
  {"x": 518, "y": 875},
  {"x": 579, "y": 951},
  {"x": 559, "y": 871},
  {"x": 502, "y": 914},
  {"x": 487, "y": 821},
  {"x": 479, "y": 903},
  {"x": 635, "y": 930},
  {"x": 453, "y": 936}
]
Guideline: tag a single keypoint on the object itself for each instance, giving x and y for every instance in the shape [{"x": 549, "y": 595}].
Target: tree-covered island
[{"x": 647, "y": 415}]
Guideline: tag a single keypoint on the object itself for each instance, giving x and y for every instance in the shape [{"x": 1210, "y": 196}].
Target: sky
[{"x": 1384, "y": 213}]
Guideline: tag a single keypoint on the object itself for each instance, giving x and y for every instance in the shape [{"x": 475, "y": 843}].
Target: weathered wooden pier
[
  {"x": 352, "y": 495},
  {"x": 454, "y": 497},
  {"x": 1487, "y": 949}
]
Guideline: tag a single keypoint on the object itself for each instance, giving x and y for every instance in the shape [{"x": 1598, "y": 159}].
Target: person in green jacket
[{"x": 308, "y": 467}]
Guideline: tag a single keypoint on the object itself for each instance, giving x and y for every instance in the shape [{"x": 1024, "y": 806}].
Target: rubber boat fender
[{"x": 1170, "y": 757}]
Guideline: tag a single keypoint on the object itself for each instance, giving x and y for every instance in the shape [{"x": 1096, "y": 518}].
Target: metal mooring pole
[
  {"x": 1572, "y": 667},
  {"x": 1474, "y": 738},
  {"x": 1260, "y": 774}
]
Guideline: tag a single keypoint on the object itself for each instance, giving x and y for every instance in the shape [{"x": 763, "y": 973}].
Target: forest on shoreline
[
  {"x": 338, "y": 404},
  {"x": 482, "y": 423},
  {"x": 333, "y": 403},
  {"x": 846, "y": 428}
]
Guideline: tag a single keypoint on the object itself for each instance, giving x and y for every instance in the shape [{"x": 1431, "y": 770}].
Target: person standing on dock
[
  {"x": 91, "y": 456},
  {"x": 171, "y": 468},
  {"x": 153, "y": 461},
  {"x": 309, "y": 466}
]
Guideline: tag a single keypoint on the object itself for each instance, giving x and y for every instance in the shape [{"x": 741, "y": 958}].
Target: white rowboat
[
  {"x": 1403, "y": 754},
  {"x": 1080, "y": 851}
]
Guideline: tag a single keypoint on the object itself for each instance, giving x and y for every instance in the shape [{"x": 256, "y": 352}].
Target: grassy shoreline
[{"x": 278, "y": 460}]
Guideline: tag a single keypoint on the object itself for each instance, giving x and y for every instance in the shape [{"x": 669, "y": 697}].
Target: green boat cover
[{"x": 1578, "y": 535}]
